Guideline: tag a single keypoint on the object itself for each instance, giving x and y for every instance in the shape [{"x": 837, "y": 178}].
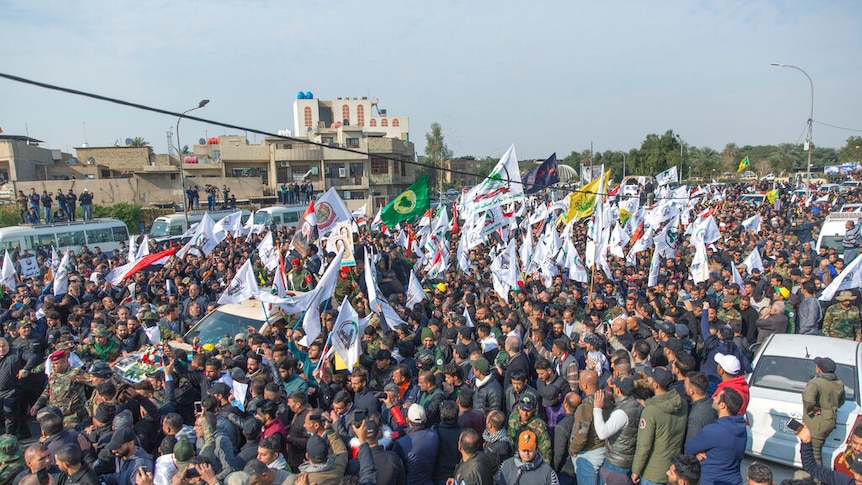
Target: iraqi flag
[
  {"x": 118, "y": 274},
  {"x": 306, "y": 231}
]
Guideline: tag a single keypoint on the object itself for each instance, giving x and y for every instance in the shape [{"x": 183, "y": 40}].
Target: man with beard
[
  {"x": 123, "y": 445},
  {"x": 15, "y": 364},
  {"x": 66, "y": 389},
  {"x": 527, "y": 467}
]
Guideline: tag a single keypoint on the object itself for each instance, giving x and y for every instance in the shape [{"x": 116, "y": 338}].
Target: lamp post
[
  {"x": 680, "y": 158},
  {"x": 624, "y": 164},
  {"x": 810, "y": 120},
  {"x": 200, "y": 105}
]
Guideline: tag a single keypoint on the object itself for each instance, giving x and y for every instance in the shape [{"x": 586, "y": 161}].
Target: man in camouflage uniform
[
  {"x": 298, "y": 278},
  {"x": 524, "y": 418},
  {"x": 99, "y": 372},
  {"x": 728, "y": 311},
  {"x": 66, "y": 389},
  {"x": 104, "y": 347},
  {"x": 11, "y": 459},
  {"x": 842, "y": 319}
]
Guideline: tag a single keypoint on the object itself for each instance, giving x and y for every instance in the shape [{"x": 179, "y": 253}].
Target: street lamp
[
  {"x": 624, "y": 163},
  {"x": 200, "y": 105},
  {"x": 680, "y": 158},
  {"x": 810, "y": 120}
]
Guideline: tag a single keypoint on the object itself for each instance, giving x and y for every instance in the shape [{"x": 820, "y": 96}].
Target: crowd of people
[
  {"x": 289, "y": 194},
  {"x": 28, "y": 206},
  {"x": 613, "y": 381}
]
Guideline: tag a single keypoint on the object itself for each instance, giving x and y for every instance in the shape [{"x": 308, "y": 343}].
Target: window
[
  {"x": 356, "y": 170},
  {"x": 75, "y": 238},
  {"x": 360, "y": 115},
  {"x": 291, "y": 217},
  {"x": 372, "y": 123},
  {"x": 384, "y": 123},
  {"x": 396, "y": 123},
  {"x": 791, "y": 375},
  {"x": 379, "y": 166},
  {"x": 96, "y": 236},
  {"x": 345, "y": 113},
  {"x": 120, "y": 234},
  {"x": 353, "y": 143},
  {"x": 403, "y": 169},
  {"x": 307, "y": 113},
  {"x": 43, "y": 240},
  {"x": 276, "y": 219}
]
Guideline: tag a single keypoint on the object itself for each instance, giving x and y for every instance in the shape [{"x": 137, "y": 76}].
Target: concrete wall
[{"x": 144, "y": 191}]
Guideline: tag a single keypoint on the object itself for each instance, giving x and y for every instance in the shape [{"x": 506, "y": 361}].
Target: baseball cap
[
  {"x": 9, "y": 449},
  {"x": 527, "y": 441},
  {"x": 674, "y": 344},
  {"x": 416, "y": 414},
  {"x": 626, "y": 384},
  {"x": 240, "y": 336},
  {"x": 318, "y": 449},
  {"x": 550, "y": 395},
  {"x": 856, "y": 465},
  {"x": 661, "y": 375},
  {"x": 481, "y": 364},
  {"x": 220, "y": 388},
  {"x": 682, "y": 330},
  {"x": 121, "y": 437},
  {"x": 666, "y": 327},
  {"x": 825, "y": 363},
  {"x": 527, "y": 402},
  {"x": 729, "y": 363},
  {"x": 251, "y": 427},
  {"x": 100, "y": 369},
  {"x": 383, "y": 354}
]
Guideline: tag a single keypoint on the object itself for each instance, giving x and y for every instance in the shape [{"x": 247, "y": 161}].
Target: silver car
[{"x": 782, "y": 368}]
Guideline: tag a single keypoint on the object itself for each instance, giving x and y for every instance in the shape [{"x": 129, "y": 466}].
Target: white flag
[
  {"x": 737, "y": 278},
  {"x": 667, "y": 240},
  {"x": 501, "y": 187},
  {"x": 705, "y": 230},
  {"x": 360, "y": 212},
  {"x": 752, "y": 223},
  {"x": 700, "y": 263},
  {"x": 415, "y": 292},
  {"x": 133, "y": 248},
  {"x": 753, "y": 261},
  {"x": 7, "y": 274},
  {"x": 654, "y": 267},
  {"x": 469, "y": 320},
  {"x": 323, "y": 291},
  {"x": 267, "y": 252},
  {"x": 504, "y": 271},
  {"x": 850, "y": 277},
  {"x": 202, "y": 238},
  {"x": 330, "y": 210},
  {"x": 666, "y": 177},
  {"x": 347, "y": 335},
  {"x": 143, "y": 249},
  {"x": 61, "y": 277},
  {"x": 242, "y": 287},
  {"x": 576, "y": 268},
  {"x": 226, "y": 225}
]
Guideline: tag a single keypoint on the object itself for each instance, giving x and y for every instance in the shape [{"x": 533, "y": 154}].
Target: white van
[
  {"x": 283, "y": 216},
  {"x": 833, "y": 229},
  {"x": 174, "y": 225},
  {"x": 104, "y": 233}
]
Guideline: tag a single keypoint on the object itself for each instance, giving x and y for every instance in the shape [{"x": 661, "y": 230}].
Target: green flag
[{"x": 411, "y": 204}]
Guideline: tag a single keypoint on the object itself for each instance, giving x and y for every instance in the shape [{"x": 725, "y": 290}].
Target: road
[{"x": 779, "y": 472}]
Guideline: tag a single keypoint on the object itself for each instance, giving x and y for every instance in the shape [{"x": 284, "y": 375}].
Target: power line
[
  {"x": 223, "y": 124},
  {"x": 837, "y": 127}
]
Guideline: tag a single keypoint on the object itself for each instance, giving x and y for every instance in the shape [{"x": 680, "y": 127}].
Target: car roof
[
  {"x": 248, "y": 309},
  {"x": 810, "y": 346}
]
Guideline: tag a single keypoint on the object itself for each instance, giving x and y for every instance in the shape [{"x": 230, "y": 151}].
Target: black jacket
[
  {"x": 13, "y": 362},
  {"x": 448, "y": 455}
]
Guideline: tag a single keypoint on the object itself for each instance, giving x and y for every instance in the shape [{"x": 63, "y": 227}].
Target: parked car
[
  {"x": 783, "y": 366},
  {"x": 768, "y": 177},
  {"x": 229, "y": 320}
]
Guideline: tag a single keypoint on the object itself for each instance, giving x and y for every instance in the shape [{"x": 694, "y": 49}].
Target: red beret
[
  {"x": 296, "y": 261},
  {"x": 58, "y": 355}
]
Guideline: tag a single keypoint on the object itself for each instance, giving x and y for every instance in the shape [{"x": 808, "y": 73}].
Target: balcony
[{"x": 355, "y": 182}]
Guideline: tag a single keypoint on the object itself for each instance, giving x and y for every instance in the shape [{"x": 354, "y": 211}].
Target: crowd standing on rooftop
[{"x": 614, "y": 380}]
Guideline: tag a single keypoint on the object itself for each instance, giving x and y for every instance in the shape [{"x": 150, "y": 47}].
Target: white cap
[
  {"x": 729, "y": 363},
  {"x": 86, "y": 190},
  {"x": 416, "y": 414}
]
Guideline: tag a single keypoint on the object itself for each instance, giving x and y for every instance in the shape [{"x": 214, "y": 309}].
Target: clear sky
[{"x": 546, "y": 75}]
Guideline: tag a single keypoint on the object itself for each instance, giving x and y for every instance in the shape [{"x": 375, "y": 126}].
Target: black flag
[{"x": 542, "y": 176}]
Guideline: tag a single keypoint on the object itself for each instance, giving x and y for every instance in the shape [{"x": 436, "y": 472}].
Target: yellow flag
[
  {"x": 772, "y": 196},
  {"x": 582, "y": 202}
]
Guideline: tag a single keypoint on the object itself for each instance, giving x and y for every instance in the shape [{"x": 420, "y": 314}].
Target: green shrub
[
  {"x": 131, "y": 214},
  {"x": 9, "y": 215}
]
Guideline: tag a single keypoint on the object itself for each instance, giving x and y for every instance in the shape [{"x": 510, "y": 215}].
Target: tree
[
  {"x": 186, "y": 150},
  {"x": 436, "y": 153},
  {"x": 850, "y": 152},
  {"x": 729, "y": 157},
  {"x": 656, "y": 154},
  {"x": 139, "y": 142}
]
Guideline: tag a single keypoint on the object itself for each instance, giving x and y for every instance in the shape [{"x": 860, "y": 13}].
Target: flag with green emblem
[{"x": 411, "y": 204}]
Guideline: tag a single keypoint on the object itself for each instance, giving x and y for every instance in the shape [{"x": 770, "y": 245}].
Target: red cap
[
  {"x": 295, "y": 261},
  {"x": 58, "y": 355}
]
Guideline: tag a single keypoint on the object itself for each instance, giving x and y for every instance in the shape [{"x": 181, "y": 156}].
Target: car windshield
[
  {"x": 792, "y": 374},
  {"x": 218, "y": 325},
  {"x": 261, "y": 218},
  {"x": 833, "y": 242},
  {"x": 159, "y": 229}
]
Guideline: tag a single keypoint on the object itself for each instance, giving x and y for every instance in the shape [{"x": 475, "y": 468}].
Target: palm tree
[{"x": 139, "y": 142}]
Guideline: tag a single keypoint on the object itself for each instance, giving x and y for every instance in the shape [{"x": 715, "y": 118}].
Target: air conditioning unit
[
  {"x": 346, "y": 195},
  {"x": 342, "y": 172}
]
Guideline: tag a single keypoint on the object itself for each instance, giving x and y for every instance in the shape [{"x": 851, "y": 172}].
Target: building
[{"x": 21, "y": 158}]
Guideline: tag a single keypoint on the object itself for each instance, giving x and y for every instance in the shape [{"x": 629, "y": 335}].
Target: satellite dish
[
  {"x": 91, "y": 160},
  {"x": 128, "y": 141},
  {"x": 202, "y": 141}
]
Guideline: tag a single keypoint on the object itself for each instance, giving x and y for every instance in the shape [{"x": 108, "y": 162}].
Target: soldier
[
  {"x": 524, "y": 419},
  {"x": 822, "y": 397},
  {"x": 65, "y": 389},
  {"x": 99, "y": 372},
  {"x": 104, "y": 347},
  {"x": 299, "y": 279},
  {"x": 11, "y": 459},
  {"x": 728, "y": 311},
  {"x": 842, "y": 319}
]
